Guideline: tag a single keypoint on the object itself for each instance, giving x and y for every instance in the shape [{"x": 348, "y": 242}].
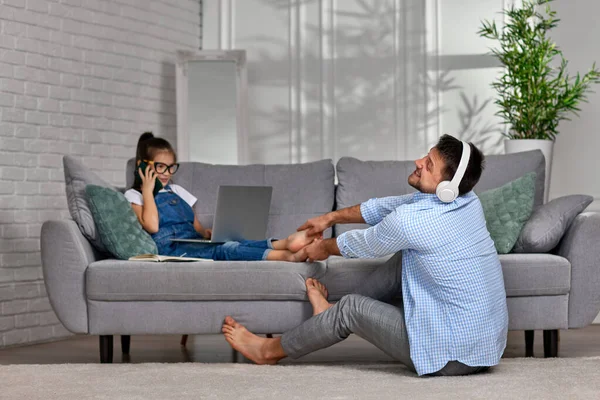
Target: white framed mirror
[{"x": 211, "y": 106}]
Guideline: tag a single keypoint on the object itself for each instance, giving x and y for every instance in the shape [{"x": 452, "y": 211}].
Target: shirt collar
[{"x": 431, "y": 196}]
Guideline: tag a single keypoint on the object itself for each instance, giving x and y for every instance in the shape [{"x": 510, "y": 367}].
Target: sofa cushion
[
  {"x": 345, "y": 275},
  {"x": 524, "y": 274},
  {"x": 77, "y": 177},
  {"x": 361, "y": 180},
  {"x": 548, "y": 224},
  {"x": 300, "y": 191},
  {"x": 507, "y": 209},
  {"x": 535, "y": 274},
  {"x": 118, "y": 226},
  {"x": 111, "y": 280}
]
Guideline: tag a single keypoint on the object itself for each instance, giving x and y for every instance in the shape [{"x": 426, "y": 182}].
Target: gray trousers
[{"x": 368, "y": 314}]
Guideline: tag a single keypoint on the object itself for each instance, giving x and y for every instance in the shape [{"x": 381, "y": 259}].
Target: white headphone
[{"x": 447, "y": 191}]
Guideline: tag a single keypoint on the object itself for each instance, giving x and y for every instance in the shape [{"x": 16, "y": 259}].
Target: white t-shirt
[{"x": 135, "y": 197}]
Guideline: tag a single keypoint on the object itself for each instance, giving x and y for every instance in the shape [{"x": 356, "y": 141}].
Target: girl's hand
[
  {"x": 207, "y": 233},
  {"x": 148, "y": 179}
]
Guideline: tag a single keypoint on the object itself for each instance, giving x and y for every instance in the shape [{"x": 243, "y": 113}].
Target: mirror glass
[
  {"x": 211, "y": 116},
  {"x": 211, "y": 106}
]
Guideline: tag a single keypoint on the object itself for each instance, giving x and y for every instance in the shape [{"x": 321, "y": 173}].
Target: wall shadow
[{"x": 374, "y": 99}]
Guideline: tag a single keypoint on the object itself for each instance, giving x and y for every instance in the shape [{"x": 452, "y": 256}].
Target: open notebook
[{"x": 159, "y": 258}]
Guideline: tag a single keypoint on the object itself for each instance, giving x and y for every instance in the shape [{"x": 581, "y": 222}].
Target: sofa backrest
[
  {"x": 358, "y": 181},
  {"x": 503, "y": 168},
  {"x": 300, "y": 191}
]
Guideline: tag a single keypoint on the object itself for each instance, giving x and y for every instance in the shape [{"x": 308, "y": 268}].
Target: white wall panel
[
  {"x": 469, "y": 108},
  {"x": 576, "y": 163},
  {"x": 461, "y": 19}
]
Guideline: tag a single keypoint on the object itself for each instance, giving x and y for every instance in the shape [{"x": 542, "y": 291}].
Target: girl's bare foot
[
  {"x": 300, "y": 256},
  {"x": 286, "y": 255},
  {"x": 251, "y": 346},
  {"x": 299, "y": 240},
  {"x": 317, "y": 295}
]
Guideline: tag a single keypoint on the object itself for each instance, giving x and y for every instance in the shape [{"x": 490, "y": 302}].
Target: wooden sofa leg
[
  {"x": 106, "y": 349},
  {"x": 183, "y": 340},
  {"x": 551, "y": 343},
  {"x": 125, "y": 343},
  {"x": 529, "y": 335}
]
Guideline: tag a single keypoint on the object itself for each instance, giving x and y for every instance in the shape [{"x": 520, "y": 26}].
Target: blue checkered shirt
[{"x": 452, "y": 284}]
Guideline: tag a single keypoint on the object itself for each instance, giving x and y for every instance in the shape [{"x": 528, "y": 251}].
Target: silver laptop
[{"x": 242, "y": 214}]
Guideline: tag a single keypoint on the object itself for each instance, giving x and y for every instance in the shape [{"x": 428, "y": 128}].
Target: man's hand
[
  {"x": 348, "y": 215},
  {"x": 317, "y": 250},
  {"x": 316, "y": 225},
  {"x": 207, "y": 233}
]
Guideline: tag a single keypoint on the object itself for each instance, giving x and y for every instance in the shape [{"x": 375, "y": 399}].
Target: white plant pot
[{"x": 546, "y": 146}]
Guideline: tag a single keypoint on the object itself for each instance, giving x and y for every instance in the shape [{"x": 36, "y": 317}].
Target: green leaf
[{"x": 534, "y": 94}]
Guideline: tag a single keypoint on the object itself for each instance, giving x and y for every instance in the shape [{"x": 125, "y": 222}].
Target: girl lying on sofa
[{"x": 168, "y": 213}]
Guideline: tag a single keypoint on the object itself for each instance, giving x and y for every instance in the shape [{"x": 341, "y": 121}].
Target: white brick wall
[{"x": 78, "y": 77}]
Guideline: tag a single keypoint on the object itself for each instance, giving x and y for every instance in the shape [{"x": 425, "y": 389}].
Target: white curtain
[{"x": 372, "y": 79}]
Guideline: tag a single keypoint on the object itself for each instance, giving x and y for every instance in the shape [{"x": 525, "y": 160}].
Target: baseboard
[{"x": 42, "y": 341}]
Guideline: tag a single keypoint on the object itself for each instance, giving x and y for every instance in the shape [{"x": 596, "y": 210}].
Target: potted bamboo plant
[{"x": 535, "y": 91}]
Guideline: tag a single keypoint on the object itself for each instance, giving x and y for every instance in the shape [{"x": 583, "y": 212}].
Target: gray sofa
[{"x": 94, "y": 295}]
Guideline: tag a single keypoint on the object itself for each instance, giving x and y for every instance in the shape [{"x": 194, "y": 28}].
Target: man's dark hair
[{"x": 451, "y": 149}]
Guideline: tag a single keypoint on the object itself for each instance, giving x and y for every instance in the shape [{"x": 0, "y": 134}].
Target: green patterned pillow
[
  {"x": 120, "y": 231},
  {"x": 507, "y": 209}
]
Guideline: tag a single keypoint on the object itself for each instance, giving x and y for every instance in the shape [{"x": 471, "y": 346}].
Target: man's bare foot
[
  {"x": 251, "y": 346},
  {"x": 317, "y": 295},
  {"x": 299, "y": 240}
]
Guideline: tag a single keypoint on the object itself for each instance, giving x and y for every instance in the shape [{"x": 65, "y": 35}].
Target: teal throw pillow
[
  {"x": 118, "y": 226},
  {"x": 507, "y": 209}
]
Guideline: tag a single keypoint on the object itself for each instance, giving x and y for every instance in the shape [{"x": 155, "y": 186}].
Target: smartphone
[{"x": 138, "y": 180}]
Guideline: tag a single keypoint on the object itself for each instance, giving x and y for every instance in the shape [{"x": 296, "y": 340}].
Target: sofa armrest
[
  {"x": 66, "y": 254},
  {"x": 581, "y": 246}
]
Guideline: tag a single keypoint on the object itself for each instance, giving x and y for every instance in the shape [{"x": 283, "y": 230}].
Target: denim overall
[{"x": 176, "y": 220}]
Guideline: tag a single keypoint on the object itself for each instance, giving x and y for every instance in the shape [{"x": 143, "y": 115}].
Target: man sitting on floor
[{"x": 453, "y": 319}]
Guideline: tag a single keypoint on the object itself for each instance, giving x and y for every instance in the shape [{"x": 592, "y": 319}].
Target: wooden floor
[{"x": 213, "y": 349}]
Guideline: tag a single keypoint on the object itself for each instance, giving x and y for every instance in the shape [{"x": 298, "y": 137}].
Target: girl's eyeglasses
[{"x": 161, "y": 168}]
